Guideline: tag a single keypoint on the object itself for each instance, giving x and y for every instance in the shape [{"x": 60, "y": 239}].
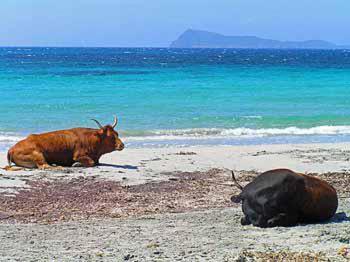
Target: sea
[{"x": 178, "y": 97}]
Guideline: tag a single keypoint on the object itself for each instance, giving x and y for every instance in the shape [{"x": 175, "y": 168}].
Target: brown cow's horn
[
  {"x": 98, "y": 123},
  {"x": 115, "y": 122}
]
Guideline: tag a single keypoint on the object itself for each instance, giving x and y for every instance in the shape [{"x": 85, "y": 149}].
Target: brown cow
[
  {"x": 71, "y": 147},
  {"x": 282, "y": 197}
]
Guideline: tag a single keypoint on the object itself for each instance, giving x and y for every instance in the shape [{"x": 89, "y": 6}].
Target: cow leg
[
  {"x": 28, "y": 158},
  {"x": 84, "y": 161},
  {"x": 249, "y": 213},
  {"x": 253, "y": 215},
  {"x": 46, "y": 166},
  {"x": 41, "y": 163},
  {"x": 260, "y": 222},
  {"x": 245, "y": 221},
  {"x": 13, "y": 168},
  {"x": 283, "y": 220}
]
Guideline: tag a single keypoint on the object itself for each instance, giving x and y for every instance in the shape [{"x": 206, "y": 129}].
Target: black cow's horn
[
  {"x": 98, "y": 123},
  {"x": 115, "y": 122},
  {"x": 235, "y": 181}
]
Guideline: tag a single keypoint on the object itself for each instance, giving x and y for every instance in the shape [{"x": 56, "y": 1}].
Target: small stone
[{"x": 128, "y": 257}]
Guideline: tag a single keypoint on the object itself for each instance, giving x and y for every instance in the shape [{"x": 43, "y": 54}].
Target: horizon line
[{"x": 339, "y": 47}]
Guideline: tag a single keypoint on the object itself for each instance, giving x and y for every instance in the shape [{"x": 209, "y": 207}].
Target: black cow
[{"x": 282, "y": 197}]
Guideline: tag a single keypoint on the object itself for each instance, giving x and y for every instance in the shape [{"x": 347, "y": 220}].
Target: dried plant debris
[
  {"x": 183, "y": 153},
  {"x": 344, "y": 251},
  {"x": 280, "y": 256},
  {"x": 86, "y": 197}
]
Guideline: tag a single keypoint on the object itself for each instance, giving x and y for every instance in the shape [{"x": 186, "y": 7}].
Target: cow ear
[
  {"x": 102, "y": 131},
  {"x": 236, "y": 199}
]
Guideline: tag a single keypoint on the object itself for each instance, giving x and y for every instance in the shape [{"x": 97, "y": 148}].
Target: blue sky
[{"x": 158, "y": 22}]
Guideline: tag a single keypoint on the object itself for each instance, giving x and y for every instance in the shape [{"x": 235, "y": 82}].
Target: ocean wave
[
  {"x": 103, "y": 72},
  {"x": 8, "y": 138},
  {"x": 207, "y": 133},
  {"x": 200, "y": 133},
  {"x": 252, "y": 117}
]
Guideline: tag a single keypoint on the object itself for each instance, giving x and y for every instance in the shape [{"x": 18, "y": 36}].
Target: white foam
[
  {"x": 208, "y": 133},
  {"x": 202, "y": 133},
  {"x": 9, "y": 138}
]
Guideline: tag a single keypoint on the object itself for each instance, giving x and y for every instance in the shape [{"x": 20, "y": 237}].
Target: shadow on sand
[
  {"x": 119, "y": 166},
  {"x": 339, "y": 217}
]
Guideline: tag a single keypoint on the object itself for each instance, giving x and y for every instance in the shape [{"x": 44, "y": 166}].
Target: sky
[{"x": 155, "y": 23}]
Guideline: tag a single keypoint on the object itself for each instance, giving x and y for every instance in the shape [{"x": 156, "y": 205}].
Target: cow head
[{"x": 109, "y": 137}]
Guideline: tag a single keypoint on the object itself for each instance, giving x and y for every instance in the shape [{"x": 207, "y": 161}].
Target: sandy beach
[
  {"x": 166, "y": 204},
  {"x": 141, "y": 137}
]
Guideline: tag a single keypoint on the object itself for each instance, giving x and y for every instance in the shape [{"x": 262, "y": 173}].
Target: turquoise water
[{"x": 178, "y": 96}]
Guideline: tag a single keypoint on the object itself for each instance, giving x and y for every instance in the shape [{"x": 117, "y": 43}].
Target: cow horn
[
  {"x": 115, "y": 122},
  {"x": 98, "y": 123},
  {"x": 235, "y": 181}
]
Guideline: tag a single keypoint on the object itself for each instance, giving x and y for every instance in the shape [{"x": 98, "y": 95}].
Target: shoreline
[{"x": 189, "y": 137}]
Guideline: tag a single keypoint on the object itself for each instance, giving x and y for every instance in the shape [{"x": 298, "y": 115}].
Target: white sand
[
  {"x": 213, "y": 235},
  {"x": 140, "y": 165}
]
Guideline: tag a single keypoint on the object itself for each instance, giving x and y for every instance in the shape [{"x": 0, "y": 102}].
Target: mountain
[{"x": 203, "y": 39}]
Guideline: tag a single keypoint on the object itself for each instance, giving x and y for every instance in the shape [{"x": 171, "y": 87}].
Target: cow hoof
[
  {"x": 244, "y": 221},
  {"x": 271, "y": 222},
  {"x": 77, "y": 164},
  {"x": 13, "y": 168}
]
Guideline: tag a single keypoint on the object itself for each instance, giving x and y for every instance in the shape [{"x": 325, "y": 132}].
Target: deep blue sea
[{"x": 178, "y": 96}]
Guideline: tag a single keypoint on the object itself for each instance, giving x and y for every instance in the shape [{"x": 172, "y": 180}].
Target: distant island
[{"x": 203, "y": 39}]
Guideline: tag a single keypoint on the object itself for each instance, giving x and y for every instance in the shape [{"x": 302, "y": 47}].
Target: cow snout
[{"x": 120, "y": 146}]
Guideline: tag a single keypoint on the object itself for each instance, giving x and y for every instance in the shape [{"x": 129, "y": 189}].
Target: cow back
[
  {"x": 273, "y": 192},
  {"x": 322, "y": 200}
]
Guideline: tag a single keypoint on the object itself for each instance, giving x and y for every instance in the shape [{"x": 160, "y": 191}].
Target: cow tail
[
  {"x": 235, "y": 182},
  {"x": 236, "y": 199},
  {"x": 9, "y": 160}
]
